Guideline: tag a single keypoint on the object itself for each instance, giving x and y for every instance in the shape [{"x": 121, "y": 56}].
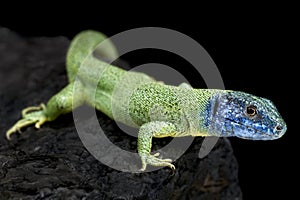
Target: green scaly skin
[{"x": 159, "y": 110}]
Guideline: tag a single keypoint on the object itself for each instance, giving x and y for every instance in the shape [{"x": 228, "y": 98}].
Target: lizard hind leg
[
  {"x": 31, "y": 115},
  {"x": 60, "y": 103}
]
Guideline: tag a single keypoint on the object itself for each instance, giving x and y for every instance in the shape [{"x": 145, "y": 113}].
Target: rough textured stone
[{"x": 52, "y": 163}]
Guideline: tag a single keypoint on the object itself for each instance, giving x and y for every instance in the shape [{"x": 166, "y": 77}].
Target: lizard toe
[{"x": 154, "y": 161}]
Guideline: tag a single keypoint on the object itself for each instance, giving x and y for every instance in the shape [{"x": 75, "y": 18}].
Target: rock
[{"x": 52, "y": 163}]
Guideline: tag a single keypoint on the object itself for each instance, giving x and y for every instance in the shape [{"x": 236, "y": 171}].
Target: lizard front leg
[
  {"x": 60, "y": 103},
  {"x": 147, "y": 131}
]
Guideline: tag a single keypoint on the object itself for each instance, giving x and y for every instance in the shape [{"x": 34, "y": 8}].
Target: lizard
[{"x": 157, "y": 109}]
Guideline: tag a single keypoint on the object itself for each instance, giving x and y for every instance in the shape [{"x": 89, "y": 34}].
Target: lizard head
[{"x": 246, "y": 116}]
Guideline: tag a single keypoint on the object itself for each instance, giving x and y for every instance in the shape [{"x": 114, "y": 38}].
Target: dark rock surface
[{"x": 52, "y": 163}]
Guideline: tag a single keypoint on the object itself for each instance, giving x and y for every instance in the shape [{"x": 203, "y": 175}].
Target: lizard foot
[
  {"x": 148, "y": 159},
  {"x": 31, "y": 115}
]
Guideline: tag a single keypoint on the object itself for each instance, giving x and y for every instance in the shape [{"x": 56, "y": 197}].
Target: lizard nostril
[{"x": 278, "y": 128}]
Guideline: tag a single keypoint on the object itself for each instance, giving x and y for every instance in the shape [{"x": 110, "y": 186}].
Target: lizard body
[{"x": 159, "y": 110}]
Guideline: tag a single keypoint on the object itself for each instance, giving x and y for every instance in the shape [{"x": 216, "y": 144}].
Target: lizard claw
[
  {"x": 31, "y": 115},
  {"x": 40, "y": 122},
  {"x": 33, "y": 108},
  {"x": 156, "y": 154},
  {"x": 154, "y": 161}
]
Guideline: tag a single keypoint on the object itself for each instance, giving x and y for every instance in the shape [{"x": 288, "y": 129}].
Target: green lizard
[{"x": 158, "y": 110}]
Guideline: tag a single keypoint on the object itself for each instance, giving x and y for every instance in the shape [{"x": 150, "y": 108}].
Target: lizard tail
[{"x": 83, "y": 45}]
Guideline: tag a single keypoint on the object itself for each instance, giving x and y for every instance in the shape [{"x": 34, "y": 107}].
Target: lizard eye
[{"x": 251, "y": 110}]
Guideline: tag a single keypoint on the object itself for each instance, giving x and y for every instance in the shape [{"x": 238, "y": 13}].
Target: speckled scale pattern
[
  {"x": 230, "y": 117},
  {"x": 159, "y": 110},
  {"x": 154, "y": 102},
  {"x": 187, "y": 108}
]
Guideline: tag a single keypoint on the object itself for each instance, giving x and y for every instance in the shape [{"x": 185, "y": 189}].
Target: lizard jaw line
[{"x": 263, "y": 134}]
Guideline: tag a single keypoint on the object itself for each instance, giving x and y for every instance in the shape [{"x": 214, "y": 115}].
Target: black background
[{"x": 253, "y": 52}]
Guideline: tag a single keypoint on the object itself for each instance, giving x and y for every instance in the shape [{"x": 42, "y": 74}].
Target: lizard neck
[
  {"x": 216, "y": 109},
  {"x": 211, "y": 120}
]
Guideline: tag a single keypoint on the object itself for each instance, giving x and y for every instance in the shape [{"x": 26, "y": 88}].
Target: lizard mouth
[{"x": 257, "y": 134}]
